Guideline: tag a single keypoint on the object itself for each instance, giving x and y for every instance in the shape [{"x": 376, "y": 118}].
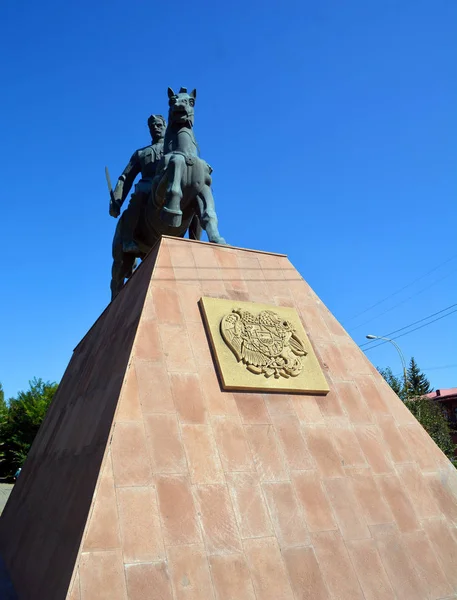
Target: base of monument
[{"x": 147, "y": 475}]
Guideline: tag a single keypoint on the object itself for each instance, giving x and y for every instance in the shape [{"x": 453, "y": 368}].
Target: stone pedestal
[{"x": 148, "y": 481}]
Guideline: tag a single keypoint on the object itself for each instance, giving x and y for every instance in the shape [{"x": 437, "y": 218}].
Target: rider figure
[{"x": 144, "y": 161}]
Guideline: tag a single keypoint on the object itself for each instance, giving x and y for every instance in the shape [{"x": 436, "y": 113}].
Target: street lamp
[{"x": 402, "y": 358}]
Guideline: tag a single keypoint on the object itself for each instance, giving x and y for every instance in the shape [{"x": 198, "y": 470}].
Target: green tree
[
  {"x": 418, "y": 384},
  {"x": 396, "y": 383},
  {"x": 20, "y": 424},
  {"x": 428, "y": 412},
  {"x": 434, "y": 420},
  {"x": 3, "y": 416},
  {"x": 3, "y": 405}
]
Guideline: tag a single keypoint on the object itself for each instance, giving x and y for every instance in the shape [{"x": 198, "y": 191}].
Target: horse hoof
[
  {"x": 173, "y": 218},
  {"x": 219, "y": 240}
]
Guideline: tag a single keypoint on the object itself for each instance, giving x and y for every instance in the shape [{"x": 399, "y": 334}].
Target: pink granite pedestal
[{"x": 147, "y": 481}]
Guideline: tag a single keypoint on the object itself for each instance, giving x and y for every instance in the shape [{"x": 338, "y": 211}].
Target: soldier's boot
[{"x": 131, "y": 217}]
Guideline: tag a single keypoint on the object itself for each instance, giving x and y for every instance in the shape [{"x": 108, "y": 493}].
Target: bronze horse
[{"x": 181, "y": 199}]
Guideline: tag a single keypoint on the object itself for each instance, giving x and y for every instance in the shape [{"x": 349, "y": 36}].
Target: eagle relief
[{"x": 266, "y": 343}]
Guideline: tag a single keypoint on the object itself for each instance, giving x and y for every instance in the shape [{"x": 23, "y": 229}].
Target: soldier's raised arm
[{"x": 126, "y": 179}]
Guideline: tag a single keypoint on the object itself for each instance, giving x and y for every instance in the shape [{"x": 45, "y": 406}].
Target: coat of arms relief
[
  {"x": 266, "y": 343},
  {"x": 261, "y": 347}
]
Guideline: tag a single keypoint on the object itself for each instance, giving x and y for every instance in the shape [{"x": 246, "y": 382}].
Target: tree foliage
[
  {"x": 418, "y": 384},
  {"x": 3, "y": 406},
  {"x": 395, "y": 382},
  {"x": 3, "y": 416},
  {"x": 429, "y": 413},
  {"x": 433, "y": 419},
  {"x": 20, "y": 419}
]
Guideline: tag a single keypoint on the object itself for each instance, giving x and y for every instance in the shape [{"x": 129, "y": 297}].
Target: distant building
[{"x": 448, "y": 400}]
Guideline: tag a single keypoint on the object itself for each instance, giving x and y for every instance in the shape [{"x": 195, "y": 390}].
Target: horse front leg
[
  {"x": 207, "y": 215},
  {"x": 171, "y": 213}
]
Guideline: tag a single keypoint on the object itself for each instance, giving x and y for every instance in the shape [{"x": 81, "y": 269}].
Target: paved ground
[
  {"x": 5, "y": 490},
  {"x": 6, "y": 589}
]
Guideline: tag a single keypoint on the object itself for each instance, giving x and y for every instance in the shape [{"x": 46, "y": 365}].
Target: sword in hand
[{"x": 114, "y": 209}]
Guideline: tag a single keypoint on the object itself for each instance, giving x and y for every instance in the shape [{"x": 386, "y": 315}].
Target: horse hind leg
[
  {"x": 134, "y": 267},
  {"x": 117, "y": 279},
  {"x": 122, "y": 263},
  {"x": 207, "y": 215},
  {"x": 121, "y": 270}
]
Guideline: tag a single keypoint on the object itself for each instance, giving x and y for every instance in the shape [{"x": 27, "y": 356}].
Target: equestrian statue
[{"x": 173, "y": 195}]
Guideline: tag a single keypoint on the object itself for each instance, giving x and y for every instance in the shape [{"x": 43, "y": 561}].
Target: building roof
[{"x": 446, "y": 394}]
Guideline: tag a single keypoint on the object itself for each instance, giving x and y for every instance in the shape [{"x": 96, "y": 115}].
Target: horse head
[{"x": 181, "y": 105}]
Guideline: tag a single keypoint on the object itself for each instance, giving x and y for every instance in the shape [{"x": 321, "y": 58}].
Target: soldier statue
[
  {"x": 174, "y": 194},
  {"x": 144, "y": 161}
]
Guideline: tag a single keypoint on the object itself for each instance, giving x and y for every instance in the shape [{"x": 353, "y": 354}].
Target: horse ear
[
  {"x": 193, "y": 93},
  {"x": 170, "y": 92}
]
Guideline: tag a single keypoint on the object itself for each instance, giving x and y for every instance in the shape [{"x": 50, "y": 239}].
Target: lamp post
[{"x": 402, "y": 358}]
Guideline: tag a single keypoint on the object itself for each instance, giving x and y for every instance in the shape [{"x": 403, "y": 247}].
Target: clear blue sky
[{"x": 331, "y": 127}]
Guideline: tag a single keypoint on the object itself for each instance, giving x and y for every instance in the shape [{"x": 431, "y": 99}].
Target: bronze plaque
[{"x": 261, "y": 347}]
